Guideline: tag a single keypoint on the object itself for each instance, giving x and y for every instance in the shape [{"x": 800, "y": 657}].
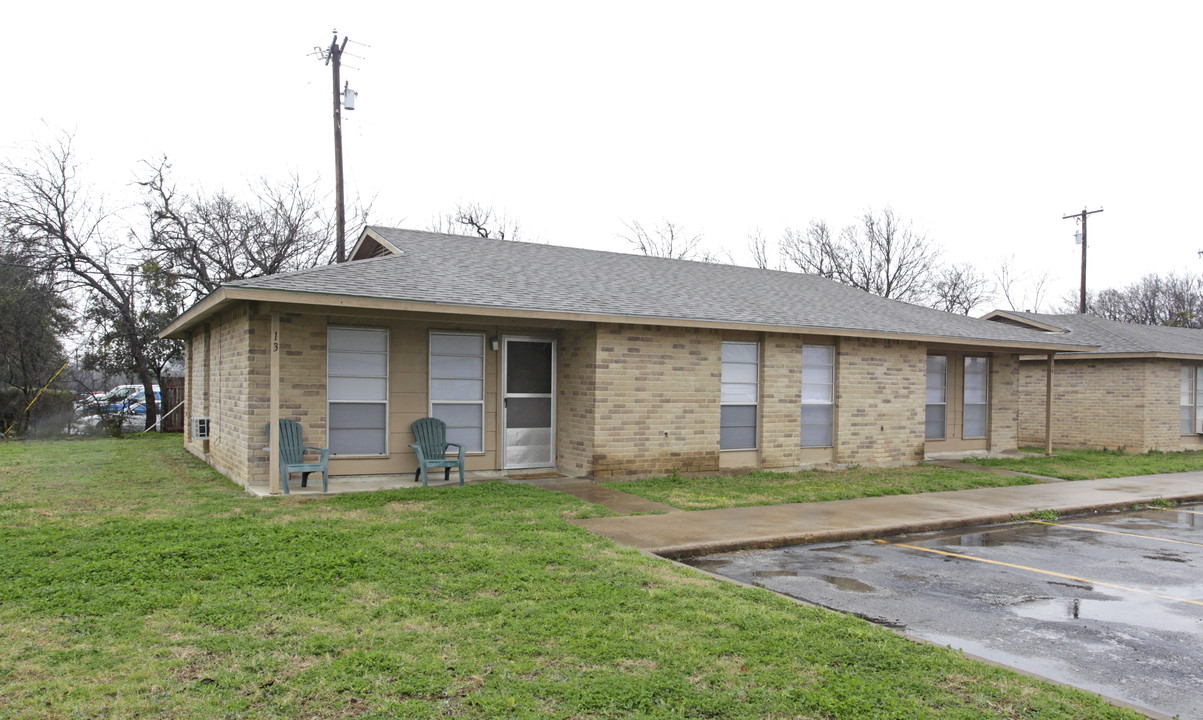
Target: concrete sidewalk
[{"x": 685, "y": 534}]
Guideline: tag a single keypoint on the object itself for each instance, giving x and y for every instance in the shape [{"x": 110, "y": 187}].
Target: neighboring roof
[
  {"x": 1111, "y": 337},
  {"x": 470, "y": 275}
]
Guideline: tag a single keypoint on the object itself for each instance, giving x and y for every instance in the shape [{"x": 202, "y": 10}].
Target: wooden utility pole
[
  {"x": 334, "y": 58},
  {"x": 1081, "y": 218}
]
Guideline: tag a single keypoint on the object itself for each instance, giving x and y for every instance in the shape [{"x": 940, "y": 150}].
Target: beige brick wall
[
  {"x": 880, "y": 401},
  {"x": 1129, "y": 403},
  {"x": 576, "y": 400},
  {"x": 630, "y": 400},
  {"x": 217, "y": 374},
  {"x": 657, "y": 400},
  {"x": 1004, "y": 402},
  {"x": 781, "y": 403}
]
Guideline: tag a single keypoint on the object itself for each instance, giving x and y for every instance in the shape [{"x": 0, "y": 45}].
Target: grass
[
  {"x": 136, "y": 582},
  {"x": 1091, "y": 464},
  {"x": 774, "y": 488}
]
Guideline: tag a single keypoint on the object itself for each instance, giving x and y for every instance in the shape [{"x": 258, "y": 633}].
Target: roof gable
[{"x": 1111, "y": 336}]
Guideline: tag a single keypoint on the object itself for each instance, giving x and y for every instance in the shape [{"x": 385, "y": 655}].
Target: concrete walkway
[{"x": 685, "y": 534}]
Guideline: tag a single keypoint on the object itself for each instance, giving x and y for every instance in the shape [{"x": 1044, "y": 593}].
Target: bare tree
[
  {"x": 883, "y": 255},
  {"x": 761, "y": 251},
  {"x": 55, "y": 224},
  {"x": 1152, "y": 300},
  {"x": 814, "y": 250},
  {"x": 203, "y": 241},
  {"x": 476, "y": 219},
  {"x": 1023, "y": 292},
  {"x": 667, "y": 240},
  {"x": 960, "y": 289}
]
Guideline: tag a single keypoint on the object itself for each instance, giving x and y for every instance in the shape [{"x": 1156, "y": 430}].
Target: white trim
[
  {"x": 965, "y": 393},
  {"x": 755, "y": 404},
  {"x": 504, "y": 395},
  {"x": 830, "y": 403},
  {"x": 430, "y": 400},
  {"x": 926, "y": 404},
  {"x": 384, "y": 402}
]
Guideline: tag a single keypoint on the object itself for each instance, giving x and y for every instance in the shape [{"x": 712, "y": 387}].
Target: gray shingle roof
[
  {"x": 1119, "y": 337},
  {"x": 476, "y": 272}
]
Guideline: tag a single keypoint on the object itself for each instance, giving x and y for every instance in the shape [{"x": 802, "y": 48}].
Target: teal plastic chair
[
  {"x": 431, "y": 449},
  {"x": 292, "y": 455}
]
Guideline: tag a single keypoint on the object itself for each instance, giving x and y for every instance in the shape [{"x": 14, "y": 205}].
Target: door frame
[{"x": 504, "y": 395}]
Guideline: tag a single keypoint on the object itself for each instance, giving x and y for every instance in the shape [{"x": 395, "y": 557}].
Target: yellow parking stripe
[
  {"x": 1044, "y": 572},
  {"x": 1116, "y": 532},
  {"x": 1192, "y": 512}
]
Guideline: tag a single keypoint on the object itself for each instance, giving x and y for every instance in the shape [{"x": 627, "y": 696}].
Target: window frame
[
  {"x": 985, "y": 403},
  {"x": 430, "y": 378},
  {"x": 928, "y": 404},
  {"x": 755, "y": 345},
  {"x": 830, "y": 403},
  {"x": 331, "y": 401},
  {"x": 1195, "y": 394}
]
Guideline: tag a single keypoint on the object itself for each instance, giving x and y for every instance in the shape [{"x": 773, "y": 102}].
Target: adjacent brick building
[
  {"x": 591, "y": 363},
  {"x": 1141, "y": 390}
]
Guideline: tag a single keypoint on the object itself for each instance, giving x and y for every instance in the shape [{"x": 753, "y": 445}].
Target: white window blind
[
  {"x": 1191, "y": 402},
  {"x": 357, "y": 390},
  {"x": 457, "y": 386},
  {"x": 937, "y": 397},
  {"x": 975, "y": 423},
  {"x": 818, "y": 395},
  {"x": 739, "y": 396}
]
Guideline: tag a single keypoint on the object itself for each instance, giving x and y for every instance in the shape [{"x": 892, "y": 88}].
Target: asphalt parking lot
[{"x": 1111, "y": 603}]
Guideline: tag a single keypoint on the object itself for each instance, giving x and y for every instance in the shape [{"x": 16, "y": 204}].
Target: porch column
[
  {"x": 273, "y": 465},
  {"x": 1048, "y": 406}
]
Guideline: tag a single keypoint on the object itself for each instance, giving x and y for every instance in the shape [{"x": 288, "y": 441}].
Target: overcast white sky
[{"x": 984, "y": 124}]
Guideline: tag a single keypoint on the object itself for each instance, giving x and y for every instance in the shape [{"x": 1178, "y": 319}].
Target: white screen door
[{"x": 528, "y": 402}]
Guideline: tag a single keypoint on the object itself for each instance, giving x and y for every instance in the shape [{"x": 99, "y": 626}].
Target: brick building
[
  {"x": 1141, "y": 390},
  {"x": 591, "y": 363}
]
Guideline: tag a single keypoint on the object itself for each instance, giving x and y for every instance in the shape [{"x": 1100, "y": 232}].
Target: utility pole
[
  {"x": 1081, "y": 218},
  {"x": 334, "y": 57}
]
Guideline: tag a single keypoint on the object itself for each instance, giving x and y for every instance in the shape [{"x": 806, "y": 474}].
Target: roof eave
[
  {"x": 1074, "y": 355},
  {"x": 227, "y": 295}
]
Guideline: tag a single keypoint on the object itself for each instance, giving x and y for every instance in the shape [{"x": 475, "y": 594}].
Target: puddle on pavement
[
  {"x": 1130, "y": 609},
  {"x": 775, "y": 573},
  {"x": 713, "y": 565},
  {"x": 848, "y": 584}
]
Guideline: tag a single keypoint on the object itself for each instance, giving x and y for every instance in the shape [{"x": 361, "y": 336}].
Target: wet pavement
[
  {"x": 1111, "y": 603},
  {"x": 704, "y": 532}
]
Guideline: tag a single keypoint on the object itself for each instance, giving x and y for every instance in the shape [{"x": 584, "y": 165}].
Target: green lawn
[
  {"x": 762, "y": 487},
  {"x": 135, "y": 582},
  {"x": 1090, "y": 464}
]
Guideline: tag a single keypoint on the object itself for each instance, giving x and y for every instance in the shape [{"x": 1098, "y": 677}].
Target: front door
[{"x": 528, "y": 402}]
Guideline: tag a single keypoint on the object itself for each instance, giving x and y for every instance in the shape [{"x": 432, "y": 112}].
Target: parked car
[
  {"x": 132, "y": 419},
  {"x": 115, "y": 400}
]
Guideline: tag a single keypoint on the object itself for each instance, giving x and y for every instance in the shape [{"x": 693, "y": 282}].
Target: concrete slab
[
  {"x": 687, "y": 534},
  {"x": 359, "y": 483}
]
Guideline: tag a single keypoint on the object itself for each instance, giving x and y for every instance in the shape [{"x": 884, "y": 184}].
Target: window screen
[
  {"x": 1191, "y": 403},
  {"x": 457, "y": 386},
  {"x": 937, "y": 396},
  {"x": 739, "y": 396},
  {"x": 818, "y": 395},
  {"x": 977, "y": 408},
  {"x": 357, "y": 390}
]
